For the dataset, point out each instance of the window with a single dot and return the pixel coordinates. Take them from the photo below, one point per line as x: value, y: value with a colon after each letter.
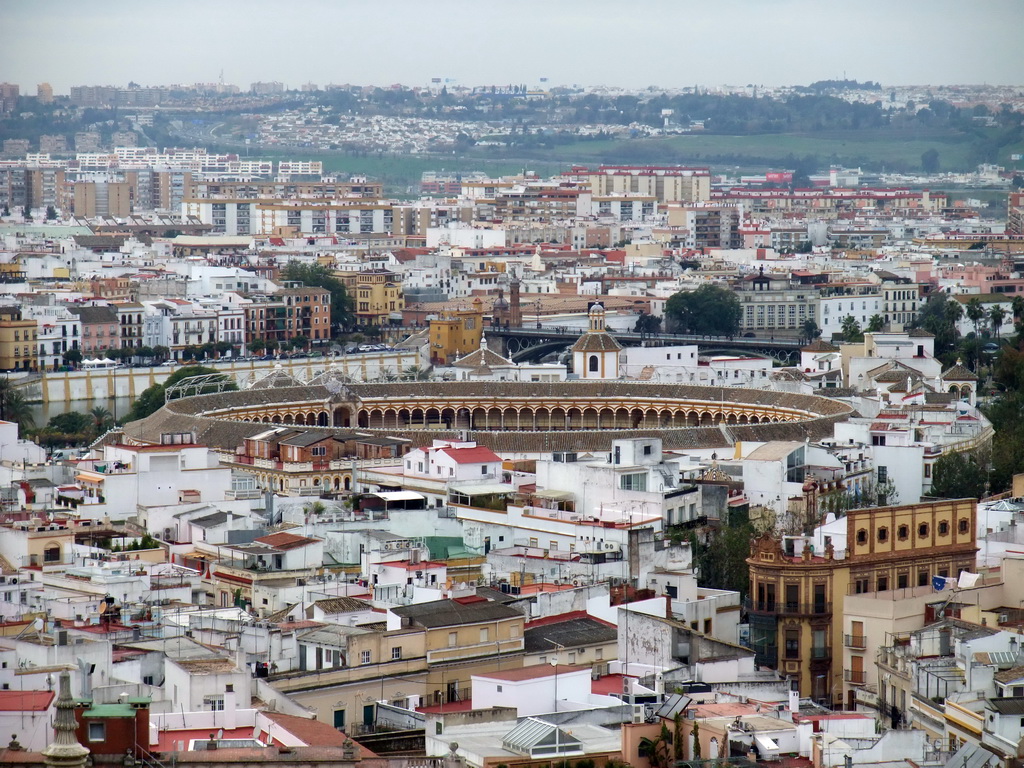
x: 485, y: 635
x: 453, y: 639
x: 943, y: 527
x: 396, y: 653
x: 883, y: 475
x: 963, y: 525
x: 902, y: 580
x: 97, y: 732
x: 883, y: 534
x: 922, y: 578
x: 592, y: 366
x: 498, y: 688
x: 647, y: 450
x: 364, y: 657
x: 483, y: 469
x: 862, y: 536
x: 922, y: 530
x: 633, y: 482
x: 792, y: 643
x: 902, y: 532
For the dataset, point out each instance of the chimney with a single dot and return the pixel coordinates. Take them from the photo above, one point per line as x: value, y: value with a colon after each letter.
x: 211, y: 744
x: 230, y: 707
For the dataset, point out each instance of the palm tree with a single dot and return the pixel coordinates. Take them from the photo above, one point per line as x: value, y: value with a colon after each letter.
x: 953, y: 312
x: 101, y: 419
x: 657, y: 750
x: 1018, y: 307
x: 14, y: 407
x: 875, y: 324
x: 975, y: 313
x: 415, y: 373
x: 996, y: 315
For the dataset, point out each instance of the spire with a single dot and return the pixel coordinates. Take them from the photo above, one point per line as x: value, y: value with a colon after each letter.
x: 65, y: 751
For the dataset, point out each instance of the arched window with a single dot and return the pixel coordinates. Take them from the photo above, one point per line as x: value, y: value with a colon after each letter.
x: 593, y: 363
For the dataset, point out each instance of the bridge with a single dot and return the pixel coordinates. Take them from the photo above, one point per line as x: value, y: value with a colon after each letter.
x: 521, y: 344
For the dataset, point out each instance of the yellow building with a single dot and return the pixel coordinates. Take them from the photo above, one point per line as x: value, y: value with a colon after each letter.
x: 456, y: 333
x: 19, y: 350
x: 377, y: 296
x: 430, y: 659
x: 797, y: 590
x: 464, y: 637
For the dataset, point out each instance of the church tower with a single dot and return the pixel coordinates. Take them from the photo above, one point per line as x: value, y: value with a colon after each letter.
x: 595, y: 355
x: 515, y: 310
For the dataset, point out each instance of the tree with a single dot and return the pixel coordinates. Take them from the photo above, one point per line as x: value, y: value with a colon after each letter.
x: 70, y: 423
x: 875, y: 324
x: 415, y: 373
x: 810, y: 330
x: 721, y: 560
x: 656, y: 750
x: 695, y: 735
x: 930, y: 160
x: 257, y: 346
x: 14, y: 407
x: 51, y: 213
x: 300, y: 342
x: 996, y: 315
x: 26, y: 213
x: 161, y: 353
x: 975, y: 312
x: 6, y: 210
x: 152, y: 398
x: 101, y: 419
x: 72, y: 357
x: 319, y: 276
x: 646, y: 323
x: 851, y: 329
x: 711, y: 310
x: 959, y: 476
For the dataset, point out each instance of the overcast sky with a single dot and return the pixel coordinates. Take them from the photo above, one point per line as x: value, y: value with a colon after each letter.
x: 632, y: 43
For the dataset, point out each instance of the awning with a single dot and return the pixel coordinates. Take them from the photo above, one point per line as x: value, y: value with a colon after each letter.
x: 481, y: 489
x: 399, y: 496
x: 555, y: 495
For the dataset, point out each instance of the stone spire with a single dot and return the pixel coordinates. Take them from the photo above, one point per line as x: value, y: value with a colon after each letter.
x: 65, y: 751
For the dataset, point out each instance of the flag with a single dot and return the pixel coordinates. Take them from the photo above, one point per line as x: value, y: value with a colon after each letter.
x: 939, y: 583
x: 968, y: 580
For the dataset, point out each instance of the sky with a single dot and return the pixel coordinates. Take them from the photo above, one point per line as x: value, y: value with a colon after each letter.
x: 633, y: 44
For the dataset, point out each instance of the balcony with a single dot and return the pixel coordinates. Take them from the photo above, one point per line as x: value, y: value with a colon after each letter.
x: 855, y: 676
x: 786, y: 608
x: 859, y: 642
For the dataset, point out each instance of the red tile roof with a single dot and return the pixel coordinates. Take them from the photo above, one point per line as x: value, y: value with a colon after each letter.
x: 312, y: 732
x: 476, y: 455
x: 533, y: 672
x: 285, y: 540
x: 25, y: 701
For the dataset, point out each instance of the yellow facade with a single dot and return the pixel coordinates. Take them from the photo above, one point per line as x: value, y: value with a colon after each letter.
x: 376, y: 295
x: 456, y: 334
x: 796, y: 602
x: 19, y: 350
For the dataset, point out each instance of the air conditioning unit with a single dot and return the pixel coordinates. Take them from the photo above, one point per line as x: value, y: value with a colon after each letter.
x: 638, y: 713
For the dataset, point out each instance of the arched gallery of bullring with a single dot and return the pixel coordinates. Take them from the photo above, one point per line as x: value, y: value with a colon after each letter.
x: 515, y: 419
